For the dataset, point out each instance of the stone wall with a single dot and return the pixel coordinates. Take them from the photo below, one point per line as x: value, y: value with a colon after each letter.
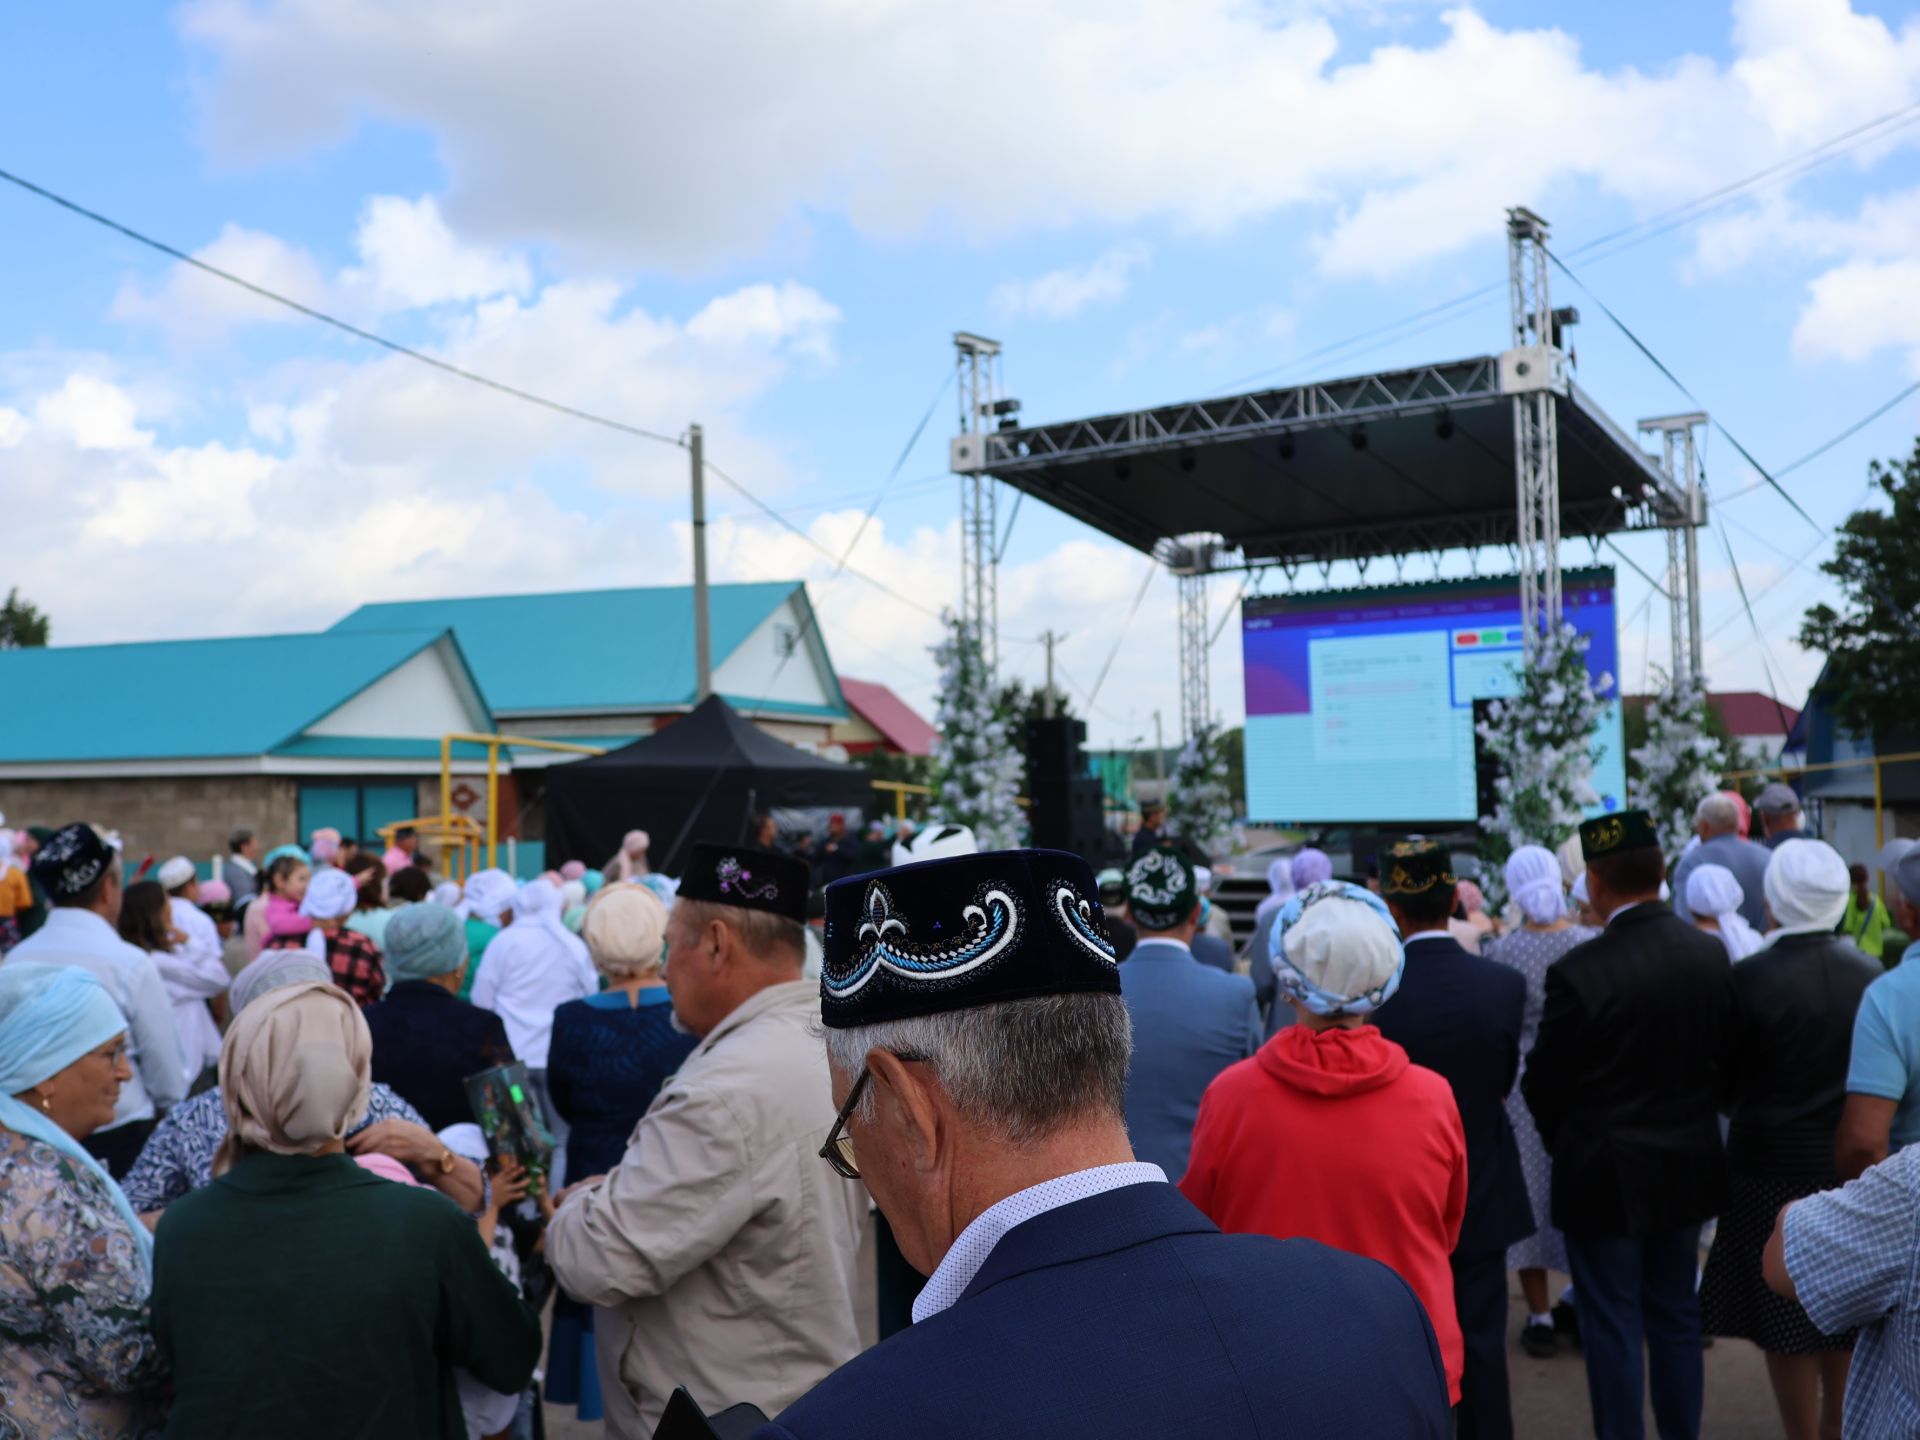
x: 161, y: 816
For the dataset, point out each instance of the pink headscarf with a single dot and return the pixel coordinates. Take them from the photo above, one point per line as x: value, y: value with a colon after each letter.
x: 1746, y: 811
x: 573, y: 870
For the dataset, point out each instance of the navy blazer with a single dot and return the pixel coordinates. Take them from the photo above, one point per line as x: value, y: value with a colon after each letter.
x: 1459, y: 1014
x: 426, y: 1041
x: 1129, y: 1314
x: 1190, y: 1022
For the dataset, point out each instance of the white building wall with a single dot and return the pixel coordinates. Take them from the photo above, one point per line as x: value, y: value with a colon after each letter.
x: 419, y: 699
x: 760, y: 668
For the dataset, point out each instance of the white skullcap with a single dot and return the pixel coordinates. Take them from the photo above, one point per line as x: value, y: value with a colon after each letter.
x: 1807, y: 886
x: 1202, y: 879
x: 330, y: 895
x: 175, y: 873
x: 489, y: 892
x: 936, y: 842
x: 1579, y: 891
x: 1533, y: 880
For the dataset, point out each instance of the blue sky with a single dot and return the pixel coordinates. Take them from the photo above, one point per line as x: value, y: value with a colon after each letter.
x: 769, y: 218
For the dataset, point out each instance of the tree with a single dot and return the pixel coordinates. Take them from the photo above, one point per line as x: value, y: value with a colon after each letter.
x: 1541, y: 739
x: 1680, y: 760
x: 1873, y: 645
x: 21, y: 623
x: 1018, y: 704
x: 1200, y: 805
x: 975, y: 759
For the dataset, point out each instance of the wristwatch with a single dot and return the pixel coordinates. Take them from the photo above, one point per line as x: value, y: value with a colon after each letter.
x: 446, y: 1162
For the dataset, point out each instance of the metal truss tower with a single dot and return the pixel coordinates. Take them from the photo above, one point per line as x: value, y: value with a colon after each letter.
x: 978, y: 359
x: 1191, y: 559
x: 1534, y: 371
x: 1680, y: 461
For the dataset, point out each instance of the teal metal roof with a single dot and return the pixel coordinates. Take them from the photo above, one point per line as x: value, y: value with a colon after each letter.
x: 585, y: 650
x: 189, y: 699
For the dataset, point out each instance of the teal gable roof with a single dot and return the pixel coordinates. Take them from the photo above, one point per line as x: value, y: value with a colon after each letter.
x: 592, y: 650
x: 188, y: 699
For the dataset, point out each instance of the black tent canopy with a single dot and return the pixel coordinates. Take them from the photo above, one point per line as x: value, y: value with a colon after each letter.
x: 698, y: 779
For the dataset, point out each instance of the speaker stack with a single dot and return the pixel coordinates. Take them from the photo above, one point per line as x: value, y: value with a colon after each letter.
x: 1066, y: 813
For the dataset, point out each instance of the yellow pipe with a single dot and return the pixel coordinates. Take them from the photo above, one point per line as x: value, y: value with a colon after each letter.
x: 493, y: 801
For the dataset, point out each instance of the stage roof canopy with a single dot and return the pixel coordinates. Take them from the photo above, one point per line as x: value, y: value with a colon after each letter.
x: 1396, y: 463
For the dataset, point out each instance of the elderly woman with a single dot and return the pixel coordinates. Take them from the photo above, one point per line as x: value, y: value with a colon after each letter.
x: 609, y: 1056
x: 1370, y: 1144
x: 1546, y: 933
x: 1714, y: 898
x: 1787, y: 1085
x: 76, y: 1354
x: 178, y: 1157
x: 531, y: 969
x: 426, y: 1039
x: 299, y: 1284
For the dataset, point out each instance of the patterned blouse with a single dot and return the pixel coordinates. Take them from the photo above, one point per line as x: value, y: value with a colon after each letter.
x: 178, y: 1156
x: 77, y: 1357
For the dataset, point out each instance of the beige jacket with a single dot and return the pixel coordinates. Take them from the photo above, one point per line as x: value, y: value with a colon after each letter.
x: 722, y: 1243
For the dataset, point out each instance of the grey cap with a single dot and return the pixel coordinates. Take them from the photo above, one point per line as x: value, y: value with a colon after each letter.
x: 1777, y: 799
x: 1906, y: 875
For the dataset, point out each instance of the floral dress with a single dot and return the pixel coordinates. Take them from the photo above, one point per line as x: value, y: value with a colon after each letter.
x: 78, y: 1359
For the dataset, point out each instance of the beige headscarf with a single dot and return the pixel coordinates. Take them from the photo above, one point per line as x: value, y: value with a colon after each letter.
x: 294, y: 1072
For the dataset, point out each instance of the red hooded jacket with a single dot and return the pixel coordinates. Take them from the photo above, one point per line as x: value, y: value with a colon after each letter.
x: 1338, y: 1137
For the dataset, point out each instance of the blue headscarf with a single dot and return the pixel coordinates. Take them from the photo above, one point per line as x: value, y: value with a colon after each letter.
x: 50, y: 1016
x: 1353, y: 929
x: 279, y: 850
x: 424, y: 942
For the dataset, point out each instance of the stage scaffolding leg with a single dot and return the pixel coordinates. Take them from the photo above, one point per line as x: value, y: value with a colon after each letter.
x: 1533, y: 365
x: 1196, y: 701
x: 1680, y: 462
x: 979, y: 499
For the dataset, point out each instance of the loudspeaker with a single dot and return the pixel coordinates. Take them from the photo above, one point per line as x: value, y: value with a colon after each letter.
x: 1053, y: 749
x: 1067, y: 815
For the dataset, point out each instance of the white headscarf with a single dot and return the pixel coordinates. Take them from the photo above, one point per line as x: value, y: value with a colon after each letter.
x: 1280, y: 888
x: 330, y: 894
x: 1533, y: 880
x: 446, y: 895
x: 1807, y: 885
x: 488, y: 892
x: 1715, y: 890
x: 540, y: 905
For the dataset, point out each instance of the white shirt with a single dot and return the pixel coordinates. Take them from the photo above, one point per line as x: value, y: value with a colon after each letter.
x: 193, y: 974
x: 72, y: 936
x: 527, y: 972
x: 970, y: 1250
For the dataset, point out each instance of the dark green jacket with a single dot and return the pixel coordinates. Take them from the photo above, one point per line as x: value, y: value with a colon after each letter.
x: 301, y: 1296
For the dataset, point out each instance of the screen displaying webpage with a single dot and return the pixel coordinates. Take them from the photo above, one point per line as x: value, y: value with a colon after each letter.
x: 1360, y: 702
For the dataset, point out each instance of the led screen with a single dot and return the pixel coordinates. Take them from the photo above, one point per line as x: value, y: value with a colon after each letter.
x: 1360, y: 702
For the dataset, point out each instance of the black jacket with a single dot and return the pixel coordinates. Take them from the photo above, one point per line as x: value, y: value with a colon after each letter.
x: 1627, y: 1073
x: 1788, y: 1082
x: 1459, y: 1015
x: 426, y: 1041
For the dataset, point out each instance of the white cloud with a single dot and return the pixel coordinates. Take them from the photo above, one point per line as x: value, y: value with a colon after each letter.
x: 790, y: 315
x: 410, y: 258
x: 93, y: 413
x: 1858, y: 308
x: 1061, y: 294
x: 1198, y: 113
x: 193, y: 308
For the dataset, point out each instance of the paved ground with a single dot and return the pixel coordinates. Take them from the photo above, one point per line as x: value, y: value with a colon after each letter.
x: 1549, y: 1396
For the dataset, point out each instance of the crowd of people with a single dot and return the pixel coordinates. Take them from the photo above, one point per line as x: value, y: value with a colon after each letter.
x: 1131, y: 1178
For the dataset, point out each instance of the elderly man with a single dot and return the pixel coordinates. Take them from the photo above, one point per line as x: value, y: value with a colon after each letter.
x: 241, y: 868
x: 1780, y: 819
x: 1190, y: 1020
x: 1882, y: 1112
x: 1624, y: 1082
x: 979, y: 1046
x: 194, y: 973
x: 81, y: 874
x: 723, y: 1247
x: 1716, y: 820
x: 1460, y: 1015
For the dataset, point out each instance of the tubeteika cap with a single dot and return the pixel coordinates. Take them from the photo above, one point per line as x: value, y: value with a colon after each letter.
x: 71, y: 859
x: 963, y: 932
x: 1161, y: 891
x: 1617, y: 834
x: 747, y: 878
x: 1413, y: 867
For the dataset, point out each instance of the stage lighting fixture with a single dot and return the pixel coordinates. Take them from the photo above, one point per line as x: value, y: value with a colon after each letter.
x: 1286, y: 446
x: 1187, y: 461
x: 1005, y: 407
x: 1445, y: 428
x: 1357, y: 437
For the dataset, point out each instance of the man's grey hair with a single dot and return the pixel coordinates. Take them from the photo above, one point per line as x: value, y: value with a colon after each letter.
x: 1020, y: 1070
x: 1718, y: 813
x: 240, y: 836
x: 764, y: 934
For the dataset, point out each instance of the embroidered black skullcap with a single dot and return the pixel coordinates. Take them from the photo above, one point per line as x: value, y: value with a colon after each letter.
x: 962, y: 932
x: 1616, y: 834
x: 1414, y: 867
x: 1160, y: 889
x: 72, y: 858
x: 751, y: 879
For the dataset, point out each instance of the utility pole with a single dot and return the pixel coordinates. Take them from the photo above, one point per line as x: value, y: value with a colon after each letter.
x: 702, y: 636
x: 1047, y: 639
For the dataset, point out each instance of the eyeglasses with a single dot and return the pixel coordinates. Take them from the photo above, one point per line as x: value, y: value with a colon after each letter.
x: 838, y: 1151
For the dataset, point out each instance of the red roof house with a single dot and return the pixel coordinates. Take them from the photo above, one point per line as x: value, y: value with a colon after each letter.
x: 881, y: 721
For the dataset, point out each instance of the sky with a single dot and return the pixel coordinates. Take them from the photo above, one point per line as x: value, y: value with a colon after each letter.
x: 769, y: 218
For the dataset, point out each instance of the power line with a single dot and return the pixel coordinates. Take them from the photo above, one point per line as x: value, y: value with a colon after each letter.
x: 1826, y: 445
x: 1767, y: 664
x: 470, y: 376
x: 1113, y: 654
